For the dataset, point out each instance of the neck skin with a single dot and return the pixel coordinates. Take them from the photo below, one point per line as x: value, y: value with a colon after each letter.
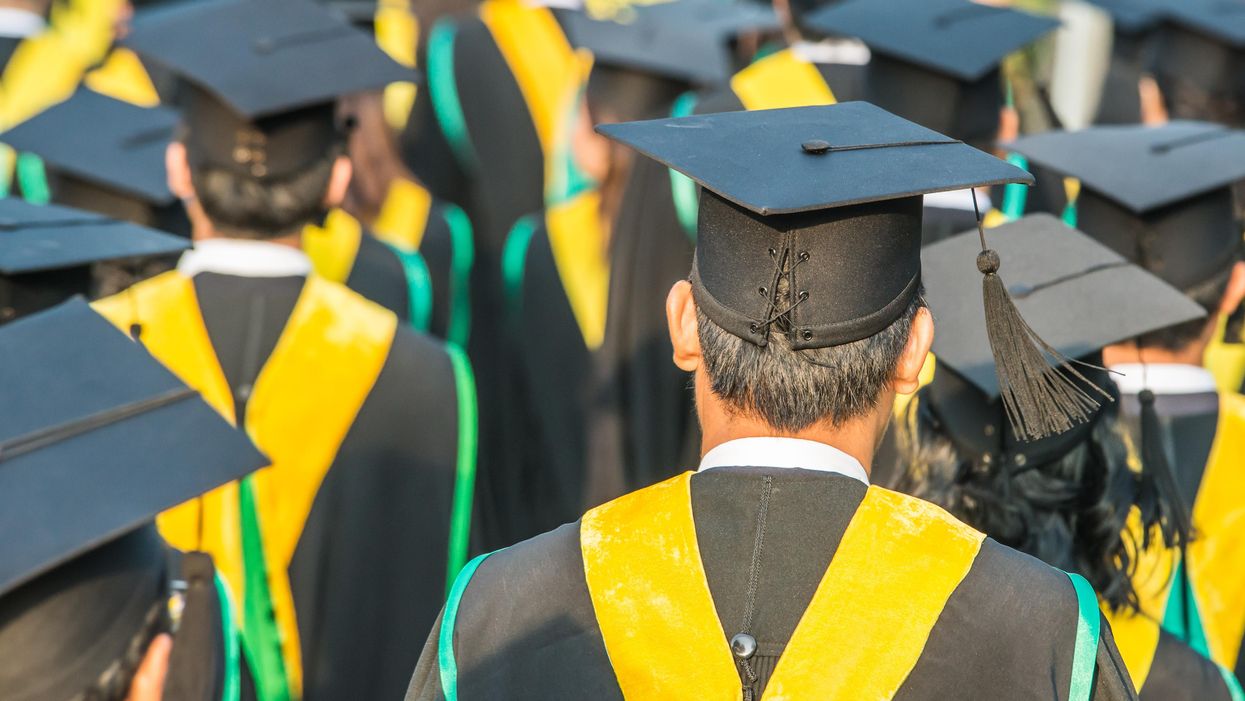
x: 858, y: 438
x: 1191, y: 354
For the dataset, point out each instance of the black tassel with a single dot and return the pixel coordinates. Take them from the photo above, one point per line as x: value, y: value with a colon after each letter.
x: 1160, y: 497
x: 1040, y: 399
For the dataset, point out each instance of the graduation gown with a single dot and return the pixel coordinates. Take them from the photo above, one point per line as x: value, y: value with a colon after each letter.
x: 557, y: 279
x: 337, y: 553
x: 642, y: 425
x: 479, y: 136
x: 418, y: 268
x: 911, y: 604
x: 1202, y: 601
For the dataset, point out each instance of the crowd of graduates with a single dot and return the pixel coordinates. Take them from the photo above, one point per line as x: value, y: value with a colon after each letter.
x: 493, y: 349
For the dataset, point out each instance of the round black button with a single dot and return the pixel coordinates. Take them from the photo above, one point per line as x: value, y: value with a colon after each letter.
x: 743, y: 646
x: 815, y: 146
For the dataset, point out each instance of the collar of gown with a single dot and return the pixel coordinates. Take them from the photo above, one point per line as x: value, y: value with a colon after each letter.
x: 1163, y: 378
x: 783, y: 452
x: 19, y: 24
x: 244, y: 258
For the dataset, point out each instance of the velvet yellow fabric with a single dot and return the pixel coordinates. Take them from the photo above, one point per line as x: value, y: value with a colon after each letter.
x: 781, y: 80
x: 334, y: 246
x: 579, y: 250
x: 899, y: 561
x: 1137, y: 635
x: 332, y: 336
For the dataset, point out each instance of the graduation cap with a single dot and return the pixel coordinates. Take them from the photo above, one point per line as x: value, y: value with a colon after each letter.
x: 1159, y: 196
x: 105, y: 155
x: 1203, y: 53
x: 1079, y: 295
x: 96, y: 438
x: 261, y: 102
x: 936, y: 62
x: 1133, y: 16
x: 683, y: 40
x: 829, y: 198
x: 46, y: 251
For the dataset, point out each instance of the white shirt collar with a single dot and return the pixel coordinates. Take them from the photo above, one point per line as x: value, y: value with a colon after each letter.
x: 783, y: 452
x: 15, y: 23
x: 958, y: 199
x: 244, y: 258
x: 1163, y: 378
x: 844, y: 52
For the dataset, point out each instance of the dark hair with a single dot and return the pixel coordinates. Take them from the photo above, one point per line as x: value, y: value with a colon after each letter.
x: 1070, y: 512
x: 794, y: 389
x: 1208, y: 294
x: 247, y: 207
x: 114, y: 684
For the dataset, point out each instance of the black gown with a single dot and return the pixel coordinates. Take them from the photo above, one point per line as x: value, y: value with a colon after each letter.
x: 642, y: 426
x: 506, y: 183
x: 526, y: 627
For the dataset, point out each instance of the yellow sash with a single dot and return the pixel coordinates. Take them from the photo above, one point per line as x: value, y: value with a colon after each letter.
x: 539, y: 56
x: 1226, y: 361
x: 333, y: 247
x: 397, y: 34
x: 661, y: 630
x: 123, y: 77
x: 579, y: 251
x: 333, y: 336
x: 781, y: 80
x: 1217, y: 553
x: 1137, y: 635
x: 403, y: 216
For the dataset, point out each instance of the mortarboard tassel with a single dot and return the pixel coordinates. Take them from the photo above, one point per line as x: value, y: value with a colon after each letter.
x: 1160, y: 500
x: 1039, y: 398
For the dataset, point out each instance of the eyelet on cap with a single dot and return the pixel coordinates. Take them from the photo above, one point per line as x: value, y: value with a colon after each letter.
x: 754, y: 328
x: 807, y: 335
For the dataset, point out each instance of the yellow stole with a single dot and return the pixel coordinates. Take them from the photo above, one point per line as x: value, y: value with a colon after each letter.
x: 403, y: 215
x: 1137, y: 635
x: 781, y: 80
x: 540, y: 59
x: 332, y: 336
x: 661, y: 630
x: 333, y: 247
x: 578, y: 244
x: 1217, y: 553
x: 123, y: 77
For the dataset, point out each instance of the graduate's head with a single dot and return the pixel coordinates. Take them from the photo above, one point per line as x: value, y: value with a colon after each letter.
x: 937, y: 62
x: 1200, y: 61
x: 803, y: 311
x: 1064, y: 498
x: 93, y: 628
x: 262, y: 152
x: 1161, y: 197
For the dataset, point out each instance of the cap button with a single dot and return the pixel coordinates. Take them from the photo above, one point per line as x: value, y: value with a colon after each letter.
x: 815, y: 146
x: 264, y: 45
x: 743, y: 646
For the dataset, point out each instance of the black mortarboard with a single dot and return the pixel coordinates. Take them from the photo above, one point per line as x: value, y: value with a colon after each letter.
x: 1159, y: 196
x: 829, y: 200
x: 96, y: 438
x: 1133, y: 16
x: 1080, y: 296
x: 1201, y: 59
x: 684, y: 40
x: 936, y: 62
x: 46, y: 251
x: 262, y: 101
x: 107, y: 142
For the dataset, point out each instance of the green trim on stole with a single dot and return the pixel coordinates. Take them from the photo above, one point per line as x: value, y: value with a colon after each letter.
x: 418, y: 286
x: 465, y: 468
x: 446, y: 662
x: 1088, y: 630
x: 514, y: 262
x: 443, y: 89
x: 231, y: 689
x: 458, y: 329
x: 683, y: 188
x: 259, y: 624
